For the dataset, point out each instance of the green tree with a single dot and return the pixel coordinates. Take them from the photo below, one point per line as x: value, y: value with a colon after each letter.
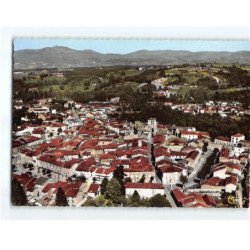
x: 18, y: 196
x: 90, y: 202
x: 100, y: 201
x: 119, y: 175
x: 135, y: 198
x: 59, y: 131
x: 142, y: 180
x: 159, y: 201
x: 127, y: 179
x: 103, y: 185
x: 183, y: 179
x: 61, y: 199
x: 204, y: 147
x: 113, y: 191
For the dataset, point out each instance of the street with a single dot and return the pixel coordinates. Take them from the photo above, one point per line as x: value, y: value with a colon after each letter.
x: 197, y: 168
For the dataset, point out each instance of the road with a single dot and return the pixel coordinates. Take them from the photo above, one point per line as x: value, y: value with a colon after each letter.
x: 198, y: 166
x: 169, y: 196
x: 239, y: 195
x: 157, y: 180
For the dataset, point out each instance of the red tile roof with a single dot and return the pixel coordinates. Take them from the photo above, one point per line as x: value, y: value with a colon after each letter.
x: 70, y: 189
x: 86, y: 164
x: 192, y: 200
x: 222, y: 138
x: 231, y: 180
x: 93, y: 188
x: 214, y: 181
x: 237, y: 135
x: 28, y: 182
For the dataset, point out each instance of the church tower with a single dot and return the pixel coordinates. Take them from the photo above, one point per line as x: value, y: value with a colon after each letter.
x: 152, y: 125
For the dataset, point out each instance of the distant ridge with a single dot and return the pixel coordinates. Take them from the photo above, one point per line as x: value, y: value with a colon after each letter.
x: 64, y: 57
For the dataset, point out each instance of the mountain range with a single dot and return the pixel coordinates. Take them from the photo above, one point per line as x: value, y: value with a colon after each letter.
x: 64, y: 57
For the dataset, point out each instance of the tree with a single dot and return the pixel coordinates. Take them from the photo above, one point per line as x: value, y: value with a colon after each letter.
x: 81, y: 178
x: 100, y: 201
x: 61, y: 199
x: 183, y: 179
x: 90, y: 202
x: 113, y: 191
x: 204, y: 147
x: 59, y: 131
x: 119, y: 175
x: 159, y: 201
x: 18, y: 196
x: 127, y: 179
x: 103, y: 185
x: 142, y: 180
x: 135, y: 198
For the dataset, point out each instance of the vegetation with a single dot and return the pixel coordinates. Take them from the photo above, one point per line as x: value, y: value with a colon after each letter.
x: 119, y: 175
x: 183, y: 179
x: 103, y: 186
x: 113, y: 191
x: 206, y: 168
x: 18, y: 195
x: 61, y: 199
x: 159, y: 201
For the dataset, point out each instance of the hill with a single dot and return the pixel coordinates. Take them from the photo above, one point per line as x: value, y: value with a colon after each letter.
x: 63, y: 57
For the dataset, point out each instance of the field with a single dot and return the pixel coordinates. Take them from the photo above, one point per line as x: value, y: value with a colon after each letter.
x: 191, y: 83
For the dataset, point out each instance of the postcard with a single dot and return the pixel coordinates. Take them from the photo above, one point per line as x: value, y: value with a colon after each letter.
x: 130, y: 123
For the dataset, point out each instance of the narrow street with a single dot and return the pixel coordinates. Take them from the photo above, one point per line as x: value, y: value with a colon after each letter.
x: 198, y: 166
x: 157, y: 180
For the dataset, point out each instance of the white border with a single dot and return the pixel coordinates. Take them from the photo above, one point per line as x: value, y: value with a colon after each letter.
x: 7, y: 34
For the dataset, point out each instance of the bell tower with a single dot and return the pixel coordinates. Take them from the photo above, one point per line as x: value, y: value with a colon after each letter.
x: 152, y: 125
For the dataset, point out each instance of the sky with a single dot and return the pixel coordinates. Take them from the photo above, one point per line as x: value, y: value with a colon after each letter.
x: 122, y: 46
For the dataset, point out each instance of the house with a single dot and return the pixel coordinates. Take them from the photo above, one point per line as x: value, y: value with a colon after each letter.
x: 192, y: 200
x: 226, y: 169
x: 55, y: 128
x: 214, y: 184
x: 221, y: 140
x: 28, y: 183
x: 235, y: 139
x: 176, y: 156
x: 145, y: 190
x: 229, y: 184
x: 94, y: 190
x: 139, y: 167
x: 72, y: 191
x: 224, y: 155
x: 171, y: 172
x: 238, y: 150
x: 189, y: 135
x: 192, y: 158
x: 161, y: 153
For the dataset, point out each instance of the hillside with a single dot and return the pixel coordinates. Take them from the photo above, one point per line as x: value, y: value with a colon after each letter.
x: 63, y: 57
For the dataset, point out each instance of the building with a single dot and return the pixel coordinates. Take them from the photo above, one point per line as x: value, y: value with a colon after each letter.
x: 235, y: 139
x: 145, y: 190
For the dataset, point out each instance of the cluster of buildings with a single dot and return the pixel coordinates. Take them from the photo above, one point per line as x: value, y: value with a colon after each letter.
x: 224, y: 109
x: 75, y: 149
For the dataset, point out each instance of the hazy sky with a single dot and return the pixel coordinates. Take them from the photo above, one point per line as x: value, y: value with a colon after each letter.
x: 127, y: 46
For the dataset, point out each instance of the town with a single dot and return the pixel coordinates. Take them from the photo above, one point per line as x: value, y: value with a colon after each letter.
x: 80, y: 154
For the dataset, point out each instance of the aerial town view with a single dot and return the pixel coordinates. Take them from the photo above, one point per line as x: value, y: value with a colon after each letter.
x: 131, y: 123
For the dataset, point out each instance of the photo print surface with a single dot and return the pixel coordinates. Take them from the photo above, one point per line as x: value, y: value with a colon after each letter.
x: 130, y: 123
